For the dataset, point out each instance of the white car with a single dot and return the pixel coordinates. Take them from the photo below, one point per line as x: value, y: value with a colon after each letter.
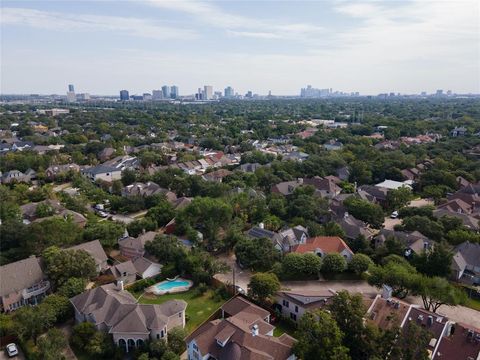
x: 12, y: 350
x: 394, y: 215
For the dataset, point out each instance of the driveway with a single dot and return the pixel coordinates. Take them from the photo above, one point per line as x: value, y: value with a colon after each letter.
x: 389, y: 223
x: 421, y: 202
x: 242, y: 276
x: 4, y: 356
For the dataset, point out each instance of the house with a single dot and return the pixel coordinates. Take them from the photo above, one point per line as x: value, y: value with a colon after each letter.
x: 460, y: 342
x: 182, y: 202
x: 146, y: 268
x: 376, y: 193
x: 115, y: 311
x: 103, y: 173
x: 293, y: 304
x: 29, y: 211
x: 54, y: 171
x: 458, y: 131
x: 75, y: 217
x: 324, y: 187
x: 414, y: 242
x: 392, y: 185
x: 106, y: 154
x: 147, y: 189
x: 250, y: 167
x: 343, y: 173
x: 16, y: 146
x: 458, y: 205
x: 323, y: 245
x: 295, y: 156
x: 217, y: 176
x: 468, y: 221
x: 333, y: 145
x: 22, y: 283
x: 353, y: 227
x: 16, y: 176
x: 466, y: 263
x: 386, y: 312
x: 123, y: 163
x: 291, y: 237
x: 133, y: 248
x: 242, y: 332
x: 287, y: 187
x: 125, y: 272
x: 95, y: 250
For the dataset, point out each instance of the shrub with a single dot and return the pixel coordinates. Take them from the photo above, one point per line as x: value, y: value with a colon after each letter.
x: 333, y: 263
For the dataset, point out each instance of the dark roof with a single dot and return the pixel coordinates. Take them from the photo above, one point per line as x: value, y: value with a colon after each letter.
x: 20, y: 275
x: 470, y: 253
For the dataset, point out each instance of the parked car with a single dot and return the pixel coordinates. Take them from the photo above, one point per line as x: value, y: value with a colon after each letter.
x: 394, y: 215
x: 240, y: 290
x: 12, y: 350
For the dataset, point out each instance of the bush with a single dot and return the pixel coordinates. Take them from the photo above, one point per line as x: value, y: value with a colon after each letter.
x: 360, y: 263
x: 201, y: 289
x: 141, y: 285
x: 333, y: 263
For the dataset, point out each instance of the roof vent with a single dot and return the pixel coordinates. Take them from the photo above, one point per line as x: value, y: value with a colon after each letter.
x: 430, y: 320
x: 255, y: 330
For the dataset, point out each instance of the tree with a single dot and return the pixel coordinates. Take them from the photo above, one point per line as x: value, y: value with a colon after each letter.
x: 263, y: 285
x: 170, y: 355
x: 301, y: 265
x: 256, y: 254
x: 176, y: 342
x: 162, y: 213
x: 82, y: 333
x: 437, y: 291
x: 32, y: 321
x: 436, y: 262
x: 319, y: 338
x: 157, y: 348
x: 348, y: 312
x: 59, y: 306
x: 128, y: 177
x: 333, y: 263
x: 108, y: 232
x: 360, y: 263
x: 136, y: 227
x: 398, y: 198
x: 412, y: 343
x: 52, y: 345
x: 73, y: 286
x: 402, y: 278
x: 165, y: 248
x: 365, y: 211
x: 44, y: 210
x: 427, y: 227
x: 98, y: 345
x: 64, y: 264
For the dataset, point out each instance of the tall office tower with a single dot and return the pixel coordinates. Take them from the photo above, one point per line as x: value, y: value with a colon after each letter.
x: 229, y: 92
x: 124, y: 95
x: 71, y: 97
x: 208, y: 92
x: 71, y: 88
x: 249, y: 95
x: 174, y: 92
x: 147, y: 96
x: 166, y: 91
x: 157, y: 94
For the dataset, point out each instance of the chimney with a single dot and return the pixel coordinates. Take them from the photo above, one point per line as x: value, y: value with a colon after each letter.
x: 345, y: 216
x: 430, y: 320
x: 255, y: 330
x: 386, y: 292
x: 143, y: 231
x: 261, y: 225
x: 120, y: 285
x: 300, y: 180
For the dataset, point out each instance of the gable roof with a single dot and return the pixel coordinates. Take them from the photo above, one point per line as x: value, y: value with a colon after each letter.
x: 141, y: 264
x: 20, y: 275
x: 328, y: 244
x: 308, y: 299
x: 470, y: 253
x: 120, y: 311
x: 94, y: 248
x: 235, y: 333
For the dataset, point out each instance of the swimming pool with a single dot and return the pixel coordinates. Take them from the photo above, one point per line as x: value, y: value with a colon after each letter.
x: 171, y: 286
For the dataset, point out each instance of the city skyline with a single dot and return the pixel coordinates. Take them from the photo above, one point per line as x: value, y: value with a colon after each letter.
x: 369, y: 47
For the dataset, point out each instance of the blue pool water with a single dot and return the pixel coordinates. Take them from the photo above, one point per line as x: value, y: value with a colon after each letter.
x: 168, y: 285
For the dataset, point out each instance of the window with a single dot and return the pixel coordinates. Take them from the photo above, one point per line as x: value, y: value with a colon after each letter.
x: 293, y: 316
x: 286, y: 303
x: 158, y: 336
x: 161, y: 333
x: 296, y: 308
x: 195, y: 347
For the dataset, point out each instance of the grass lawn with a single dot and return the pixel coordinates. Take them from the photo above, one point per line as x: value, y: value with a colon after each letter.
x: 473, y: 304
x: 199, y: 308
x: 282, y: 327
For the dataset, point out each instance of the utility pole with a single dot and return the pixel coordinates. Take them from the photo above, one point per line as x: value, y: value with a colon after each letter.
x: 234, y: 287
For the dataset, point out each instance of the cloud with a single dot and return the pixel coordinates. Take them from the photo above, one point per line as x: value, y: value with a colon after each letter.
x: 237, y: 25
x: 83, y: 22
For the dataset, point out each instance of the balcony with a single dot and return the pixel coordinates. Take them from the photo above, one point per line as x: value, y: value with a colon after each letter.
x: 36, y: 289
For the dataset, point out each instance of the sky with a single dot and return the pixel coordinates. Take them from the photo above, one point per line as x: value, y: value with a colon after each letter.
x: 372, y: 47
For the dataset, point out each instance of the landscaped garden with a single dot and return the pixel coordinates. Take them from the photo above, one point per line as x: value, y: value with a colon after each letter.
x: 200, y: 306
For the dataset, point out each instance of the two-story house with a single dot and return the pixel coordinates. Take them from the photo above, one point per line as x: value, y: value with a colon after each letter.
x: 116, y: 311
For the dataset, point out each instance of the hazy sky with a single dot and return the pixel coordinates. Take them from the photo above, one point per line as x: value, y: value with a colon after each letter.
x: 366, y: 46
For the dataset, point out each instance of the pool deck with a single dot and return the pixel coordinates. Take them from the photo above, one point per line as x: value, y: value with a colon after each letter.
x: 177, y: 289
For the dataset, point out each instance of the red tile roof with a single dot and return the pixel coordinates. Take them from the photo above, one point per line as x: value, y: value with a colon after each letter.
x: 328, y: 244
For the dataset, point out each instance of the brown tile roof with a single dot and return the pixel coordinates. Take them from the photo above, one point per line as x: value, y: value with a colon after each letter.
x: 463, y: 343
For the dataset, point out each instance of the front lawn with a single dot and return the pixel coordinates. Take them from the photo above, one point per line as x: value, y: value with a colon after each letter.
x: 473, y: 304
x: 282, y: 327
x: 199, y: 307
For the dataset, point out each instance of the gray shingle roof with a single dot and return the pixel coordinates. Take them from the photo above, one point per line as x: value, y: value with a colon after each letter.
x: 20, y: 275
